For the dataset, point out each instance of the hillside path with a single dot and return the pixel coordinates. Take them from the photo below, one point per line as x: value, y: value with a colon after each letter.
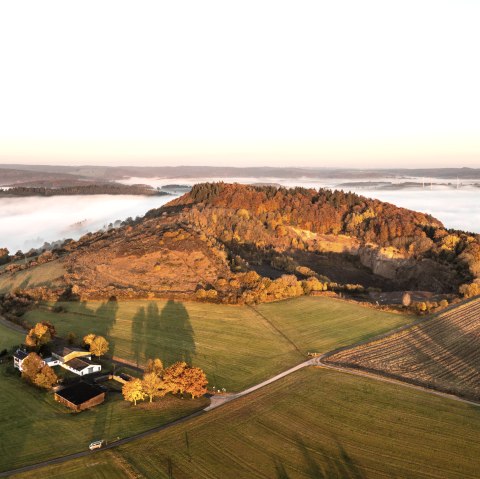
x: 12, y: 326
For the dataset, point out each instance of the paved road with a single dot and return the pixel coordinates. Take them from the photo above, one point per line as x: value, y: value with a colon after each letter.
x: 220, y: 399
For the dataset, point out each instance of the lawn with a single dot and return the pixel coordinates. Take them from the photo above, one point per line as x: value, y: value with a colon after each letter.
x: 318, y: 423
x: 35, y: 427
x: 9, y: 337
x: 320, y: 324
x: 235, y: 345
x: 42, y: 275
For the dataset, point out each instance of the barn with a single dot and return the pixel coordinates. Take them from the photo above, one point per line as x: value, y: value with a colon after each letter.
x: 80, y: 396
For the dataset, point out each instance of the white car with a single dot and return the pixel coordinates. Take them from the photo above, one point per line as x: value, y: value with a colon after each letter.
x: 96, y: 445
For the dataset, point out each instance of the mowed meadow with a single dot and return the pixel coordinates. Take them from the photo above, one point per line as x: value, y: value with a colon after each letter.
x: 441, y: 352
x: 32, y: 422
x: 315, y: 423
x: 237, y: 346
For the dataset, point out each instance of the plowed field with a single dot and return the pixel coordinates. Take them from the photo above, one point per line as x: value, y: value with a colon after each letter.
x: 442, y: 352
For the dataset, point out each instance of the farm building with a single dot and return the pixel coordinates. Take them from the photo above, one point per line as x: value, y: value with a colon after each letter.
x: 80, y: 396
x: 81, y: 366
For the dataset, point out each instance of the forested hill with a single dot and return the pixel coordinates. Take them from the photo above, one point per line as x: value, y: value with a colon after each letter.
x: 269, y: 216
x: 323, y: 211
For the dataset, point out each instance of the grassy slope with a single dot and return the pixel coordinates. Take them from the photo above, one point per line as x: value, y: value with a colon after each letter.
x: 42, y: 275
x: 322, y: 424
x: 320, y: 324
x: 236, y: 346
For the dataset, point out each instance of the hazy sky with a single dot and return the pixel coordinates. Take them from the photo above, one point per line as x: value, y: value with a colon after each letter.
x: 320, y: 83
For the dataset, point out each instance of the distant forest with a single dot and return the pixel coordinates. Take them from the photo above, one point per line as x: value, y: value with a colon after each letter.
x: 89, y: 189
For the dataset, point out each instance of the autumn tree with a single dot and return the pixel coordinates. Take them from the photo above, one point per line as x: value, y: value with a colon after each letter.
x: 46, y: 378
x: 35, y: 371
x: 88, y: 339
x: 181, y: 378
x: 470, y: 290
x: 195, y: 382
x: 174, y: 377
x: 154, y: 366
x: 31, y: 366
x: 41, y: 333
x: 98, y: 345
x: 133, y: 391
x: 153, y: 386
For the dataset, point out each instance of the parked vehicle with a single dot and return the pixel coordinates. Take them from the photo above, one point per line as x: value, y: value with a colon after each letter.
x: 96, y: 445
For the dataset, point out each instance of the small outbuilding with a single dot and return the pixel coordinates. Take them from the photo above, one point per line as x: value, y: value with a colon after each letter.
x: 80, y: 396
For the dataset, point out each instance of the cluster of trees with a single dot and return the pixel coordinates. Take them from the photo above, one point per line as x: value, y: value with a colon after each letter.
x: 14, y: 305
x: 323, y: 211
x: 251, y: 288
x: 42, y: 333
x: 97, y: 345
x: 157, y: 382
x: 469, y: 290
x: 35, y: 371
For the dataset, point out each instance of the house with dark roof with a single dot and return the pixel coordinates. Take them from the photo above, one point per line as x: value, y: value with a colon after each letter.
x: 18, y: 356
x: 81, y: 366
x: 76, y: 360
x: 80, y: 396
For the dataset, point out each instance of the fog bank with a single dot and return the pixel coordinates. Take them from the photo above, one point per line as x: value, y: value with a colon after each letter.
x: 28, y: 222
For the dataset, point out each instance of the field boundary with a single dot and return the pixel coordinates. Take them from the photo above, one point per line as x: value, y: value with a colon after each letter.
x: 399, y: 329
x: 394, y: 380
x: 281, y: 333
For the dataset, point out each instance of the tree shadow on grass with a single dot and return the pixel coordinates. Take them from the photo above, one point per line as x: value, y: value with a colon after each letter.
x: 322, y: 464
x: 165, y: 334
x: 106, y: 317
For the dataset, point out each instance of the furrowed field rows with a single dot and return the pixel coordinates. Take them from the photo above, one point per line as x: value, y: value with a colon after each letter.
x: 442, y: 352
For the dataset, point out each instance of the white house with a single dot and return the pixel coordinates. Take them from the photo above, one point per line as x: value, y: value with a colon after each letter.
x: 81, y: 367
x: 78, y: 361
x: 18, y: 358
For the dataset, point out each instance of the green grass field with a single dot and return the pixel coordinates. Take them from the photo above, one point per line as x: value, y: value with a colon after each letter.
x: 235, y: 345
x: 35, y: 427
x: 9, y: 337
x: 42, y: 275
x: 317, y: 424
x: 320, y: 324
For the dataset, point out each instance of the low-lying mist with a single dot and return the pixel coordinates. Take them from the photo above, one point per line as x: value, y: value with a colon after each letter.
x: 29, y: 222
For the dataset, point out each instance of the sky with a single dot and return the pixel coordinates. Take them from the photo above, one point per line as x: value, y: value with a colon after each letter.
x: 264, y: 83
